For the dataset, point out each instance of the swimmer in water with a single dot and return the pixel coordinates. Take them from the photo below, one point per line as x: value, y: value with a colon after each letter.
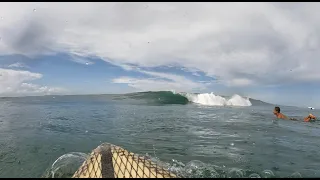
x: 309, y: 118
x: 279, y: 115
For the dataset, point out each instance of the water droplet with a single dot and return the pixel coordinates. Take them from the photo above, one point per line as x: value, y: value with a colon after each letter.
x: 148, y: 42
x: 86, y: 131
x: 253, y: 143
x: 1, y: 18
x: 232, y: 144
x: 34, y: 10
x: 254, y: 175
x: 267, y: 174
x: 235, y: 173
x: 296, y: 175
x: 193, y: 166
x: 87, y: 63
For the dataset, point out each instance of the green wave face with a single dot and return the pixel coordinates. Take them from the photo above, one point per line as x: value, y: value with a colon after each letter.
x: 160, y: 97
x: 168, y: 97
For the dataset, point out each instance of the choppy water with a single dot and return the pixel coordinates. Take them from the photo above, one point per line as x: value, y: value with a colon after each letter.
x: 194, y: 140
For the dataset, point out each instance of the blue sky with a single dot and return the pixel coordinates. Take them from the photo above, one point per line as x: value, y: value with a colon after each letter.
x: 267, y: 51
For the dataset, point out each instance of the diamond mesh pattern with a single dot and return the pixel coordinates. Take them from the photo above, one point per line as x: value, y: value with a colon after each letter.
x: 90, y: 168
x: 117, y: 162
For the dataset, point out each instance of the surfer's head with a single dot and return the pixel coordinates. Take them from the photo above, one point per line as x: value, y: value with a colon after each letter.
x: 276, y: 110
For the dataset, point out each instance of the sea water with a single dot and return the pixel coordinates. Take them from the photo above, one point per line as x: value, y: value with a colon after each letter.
x: 195, y: 135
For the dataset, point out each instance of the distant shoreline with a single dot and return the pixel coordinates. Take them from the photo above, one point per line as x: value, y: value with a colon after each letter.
x: 115, y: 94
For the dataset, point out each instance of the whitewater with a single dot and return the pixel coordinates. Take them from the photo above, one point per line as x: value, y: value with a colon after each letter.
x: 210, y: 99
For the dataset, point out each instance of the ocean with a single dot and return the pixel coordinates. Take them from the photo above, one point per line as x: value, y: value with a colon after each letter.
x: 195, y: 135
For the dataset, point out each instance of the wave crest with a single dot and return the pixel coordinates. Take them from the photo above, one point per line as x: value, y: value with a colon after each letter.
x: 171, y: 97
x: 211, y: 99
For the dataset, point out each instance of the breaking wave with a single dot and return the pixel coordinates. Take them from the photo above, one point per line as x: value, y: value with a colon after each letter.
x: 211, y: 99
x: 207, y: 99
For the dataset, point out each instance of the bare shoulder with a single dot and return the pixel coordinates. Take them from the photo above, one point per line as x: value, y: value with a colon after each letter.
x: 284, y: 116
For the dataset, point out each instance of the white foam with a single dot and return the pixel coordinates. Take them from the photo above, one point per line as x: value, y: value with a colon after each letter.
x: 211, y: 99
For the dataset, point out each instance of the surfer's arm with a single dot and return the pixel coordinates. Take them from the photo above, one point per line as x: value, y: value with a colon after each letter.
x: 306, y: 119
x: 287, y: 118
x: 284, y: 117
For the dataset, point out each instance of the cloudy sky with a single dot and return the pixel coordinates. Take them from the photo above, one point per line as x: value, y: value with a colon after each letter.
x: 268, y: 51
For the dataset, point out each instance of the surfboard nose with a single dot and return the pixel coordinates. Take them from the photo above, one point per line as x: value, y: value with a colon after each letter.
x: 111, y: 161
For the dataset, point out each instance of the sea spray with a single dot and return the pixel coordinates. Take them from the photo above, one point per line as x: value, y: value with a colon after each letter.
x: 66, y: 165
x: 211, y: 99
x: 172, y: 97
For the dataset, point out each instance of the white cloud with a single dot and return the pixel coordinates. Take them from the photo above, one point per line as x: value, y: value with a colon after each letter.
x: 161, y: 81
x: 239, y: 43
x: 196, y: 74
x: 81, y: 60
x: 14, y: 83
x: 28, y: 88
x: 17, y: 65
x: 150, y: 84
x: 239, y: 82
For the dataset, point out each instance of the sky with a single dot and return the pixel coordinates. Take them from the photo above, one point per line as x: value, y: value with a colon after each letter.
x: 266, y: 51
